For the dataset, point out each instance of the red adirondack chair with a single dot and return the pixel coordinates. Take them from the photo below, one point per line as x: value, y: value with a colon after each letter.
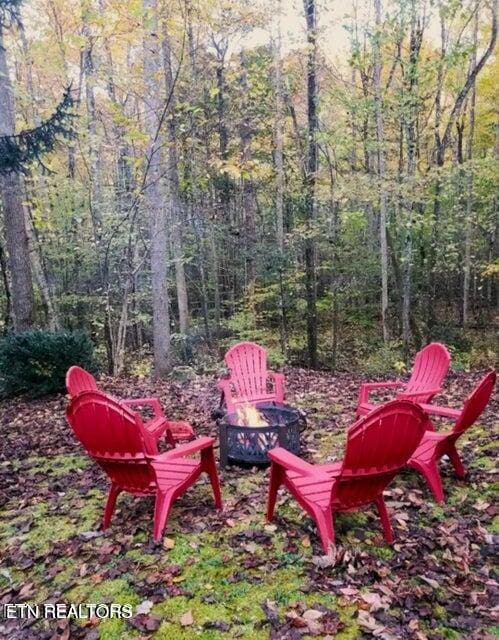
x: 378, y: 447
x: 430, y: 368
x: 115, y: 437
x: 78, y: 380
x: 435, y: 444
x: 249, y: 380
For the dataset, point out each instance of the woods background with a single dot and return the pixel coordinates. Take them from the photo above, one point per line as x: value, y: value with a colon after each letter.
x: 336, y: 202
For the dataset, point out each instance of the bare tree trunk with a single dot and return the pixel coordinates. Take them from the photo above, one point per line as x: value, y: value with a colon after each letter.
x: 248, y: 187
x: 14, y: 214
x: 39, y: 273
x: 93, y: 143
x: 311, y: 175
x: 279, y: 170
x: 410, y: 119
x: 469, y: 186
x: 55, y: 20
x: 95, y: 174
x: 335, y: 280
x: 196, y: 202
x: 152, y: 192
x: 174, y: 191
x: 381, y: 170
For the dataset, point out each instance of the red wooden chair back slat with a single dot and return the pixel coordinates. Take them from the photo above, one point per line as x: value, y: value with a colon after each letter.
x: 247, y: 362
x: 430, y: 368
x: 378, y: 447
x: 114, y: 436
x: 475, y: 403
x: 78, y: 380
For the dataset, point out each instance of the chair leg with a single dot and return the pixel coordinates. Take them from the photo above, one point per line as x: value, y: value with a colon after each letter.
x: 324, y: 521
x: 432, y: 476
x: 161, y: 510
x: 456, y: 462
x: 385, y: 519
x: 276, y: 474
x: 114, y: 492
x: 210, y: 467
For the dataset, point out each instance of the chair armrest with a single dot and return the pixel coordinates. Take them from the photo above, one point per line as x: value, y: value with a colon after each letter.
x: 444, y: 412
x: 159, y: 427
x: 370, y: 386
x: 152, y: 402
x: 278, y: 379
x: 416, y: 394
x: 190, y: 447
x: 290, y: 462
x: 226, y: 389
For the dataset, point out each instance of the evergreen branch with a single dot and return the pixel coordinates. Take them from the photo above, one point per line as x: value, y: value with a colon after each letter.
x: 17, y: 151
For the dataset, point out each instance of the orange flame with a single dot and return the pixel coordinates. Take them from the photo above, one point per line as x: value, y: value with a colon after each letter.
x: 249, y: 416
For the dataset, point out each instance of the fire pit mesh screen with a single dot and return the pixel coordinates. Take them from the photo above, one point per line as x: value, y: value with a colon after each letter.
x: 248, y: 444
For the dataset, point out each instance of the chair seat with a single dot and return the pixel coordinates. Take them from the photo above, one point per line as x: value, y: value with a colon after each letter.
x: 316, y: 491
x: 171, y: 473
x: 312, y: 490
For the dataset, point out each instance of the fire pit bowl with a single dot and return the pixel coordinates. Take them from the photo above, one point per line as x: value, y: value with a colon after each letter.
x: 246, y: 439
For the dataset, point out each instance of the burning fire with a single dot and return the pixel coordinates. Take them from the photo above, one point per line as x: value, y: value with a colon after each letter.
x: 249, y: 416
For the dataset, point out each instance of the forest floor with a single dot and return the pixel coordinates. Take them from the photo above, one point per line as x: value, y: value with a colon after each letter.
x: 229, y: 574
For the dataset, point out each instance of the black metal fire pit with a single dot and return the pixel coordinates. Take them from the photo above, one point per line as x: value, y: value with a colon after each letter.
x: 248, y: 445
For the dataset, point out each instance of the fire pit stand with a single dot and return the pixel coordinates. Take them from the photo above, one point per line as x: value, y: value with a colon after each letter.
x: 249, y: 445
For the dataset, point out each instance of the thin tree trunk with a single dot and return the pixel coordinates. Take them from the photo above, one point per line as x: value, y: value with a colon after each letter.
x: 39, y: 273
x: 381, y: 170
x: 174, y: 191
x: 95, y: 173
x: 248, y: 187
x: 95, y: 170
x: 215, y: 266
x: 152, y: 192
x: 335, y: 263
x: 311, y: 175
x: 411, y: 88
x: 469, y: 186
x: 280, y: 182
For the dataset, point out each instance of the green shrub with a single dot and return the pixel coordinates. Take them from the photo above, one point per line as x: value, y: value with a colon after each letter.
x: 387, y: 358
x: 35, y: 362
x: 452, y: 336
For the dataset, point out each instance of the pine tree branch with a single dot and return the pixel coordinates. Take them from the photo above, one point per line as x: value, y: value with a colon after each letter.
x: 18, y: 151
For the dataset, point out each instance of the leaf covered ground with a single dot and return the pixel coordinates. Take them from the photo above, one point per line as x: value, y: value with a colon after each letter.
x: 229, y: 574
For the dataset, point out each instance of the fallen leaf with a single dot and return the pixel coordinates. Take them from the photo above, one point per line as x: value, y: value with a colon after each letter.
x: 186, y: 619
x: 144, y: 607
x: 168, y: 543
x: 430, y: 581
